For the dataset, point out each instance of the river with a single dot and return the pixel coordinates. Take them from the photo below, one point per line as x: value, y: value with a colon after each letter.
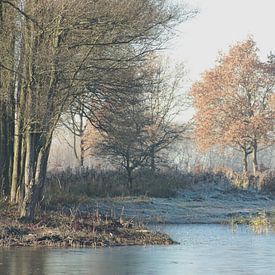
x: 203, y: 249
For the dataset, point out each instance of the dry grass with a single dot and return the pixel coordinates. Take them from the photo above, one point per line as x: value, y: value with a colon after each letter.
x: 78, y: 186
x: 73, y: 229
x: 72, y: 186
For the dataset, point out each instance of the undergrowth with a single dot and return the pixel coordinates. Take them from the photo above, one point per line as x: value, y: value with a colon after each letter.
x: 78, y: 186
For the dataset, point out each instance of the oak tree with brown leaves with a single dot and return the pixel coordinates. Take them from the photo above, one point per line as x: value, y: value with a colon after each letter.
x: 233, y: 103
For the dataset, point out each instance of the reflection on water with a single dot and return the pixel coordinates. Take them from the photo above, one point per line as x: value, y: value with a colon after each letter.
x: 204, y: 249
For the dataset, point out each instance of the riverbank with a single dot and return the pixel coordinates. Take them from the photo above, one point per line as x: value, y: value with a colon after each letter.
x: 171, y: 197
x: 119, y: 221
x: 189, y: 211
x: 200, y: 203
x: 57, y: 229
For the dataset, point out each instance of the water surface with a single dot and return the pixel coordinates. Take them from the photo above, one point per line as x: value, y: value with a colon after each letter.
x: 203, y: 249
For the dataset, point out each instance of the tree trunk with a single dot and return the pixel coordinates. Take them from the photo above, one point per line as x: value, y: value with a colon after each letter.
x: 3, y: 153
x: 7, y: 82
x: 130, y: 178
x: 245, y: 162
x: 41, y: 175
x: 16, y: 164
x: 21, y: 177
x: 19, y: 108
x: 18, y: 155
x: 153, y: 162
x: 82, y: 150
x: 129, y: 170
x: 81, y: 135
x: 255, y: 159
x: 35, y: 173
x: 6, y: 148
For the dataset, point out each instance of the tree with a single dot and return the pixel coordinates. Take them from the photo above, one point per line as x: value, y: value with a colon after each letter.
x: 233, y: 103
x: 164, y: 101
x: 7, y: 86
x: 119, y: 133
x: 75, y: 121
x: 135, y: 130
x: 54, y: 53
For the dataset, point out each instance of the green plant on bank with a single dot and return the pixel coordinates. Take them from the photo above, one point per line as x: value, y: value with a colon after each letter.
x: 258, y: 223
x: 235, y: 221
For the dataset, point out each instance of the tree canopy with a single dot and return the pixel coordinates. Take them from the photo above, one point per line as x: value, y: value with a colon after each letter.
x: 234, y: 102
x: 59, y: 54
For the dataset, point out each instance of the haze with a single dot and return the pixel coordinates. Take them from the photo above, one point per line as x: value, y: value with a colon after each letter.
x: 221, y: 23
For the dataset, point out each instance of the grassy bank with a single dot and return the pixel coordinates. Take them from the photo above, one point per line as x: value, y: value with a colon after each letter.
x: 95, y: 208
x: 58, y: 229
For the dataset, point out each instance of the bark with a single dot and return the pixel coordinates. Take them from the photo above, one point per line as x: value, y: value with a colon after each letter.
x: 81, y: 153
x: 153, y: 162
x: 16, y: 164
x: 1, y: 15
x: 37, y: 153
x: 255, y: 158
x: 245, y: 162
x: 129, y: 170
x: 130, y: 178
x: 81, y: 134
x: 6, y: 147
x: 21, y: 188
x: 7, y: 76
x: 18, y: 156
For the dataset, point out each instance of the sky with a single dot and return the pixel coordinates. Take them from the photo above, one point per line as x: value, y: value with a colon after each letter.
x: 219, y: 24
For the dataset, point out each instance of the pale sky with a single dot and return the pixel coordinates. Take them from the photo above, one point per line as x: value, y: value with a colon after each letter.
x: 221, y: 23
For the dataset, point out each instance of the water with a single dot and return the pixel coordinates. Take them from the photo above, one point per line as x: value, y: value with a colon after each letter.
x: 204, y: 249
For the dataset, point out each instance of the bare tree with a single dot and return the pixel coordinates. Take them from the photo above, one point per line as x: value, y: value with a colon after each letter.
x: 65, y: 49
x: 165, y: 101
x: 134, y: 131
